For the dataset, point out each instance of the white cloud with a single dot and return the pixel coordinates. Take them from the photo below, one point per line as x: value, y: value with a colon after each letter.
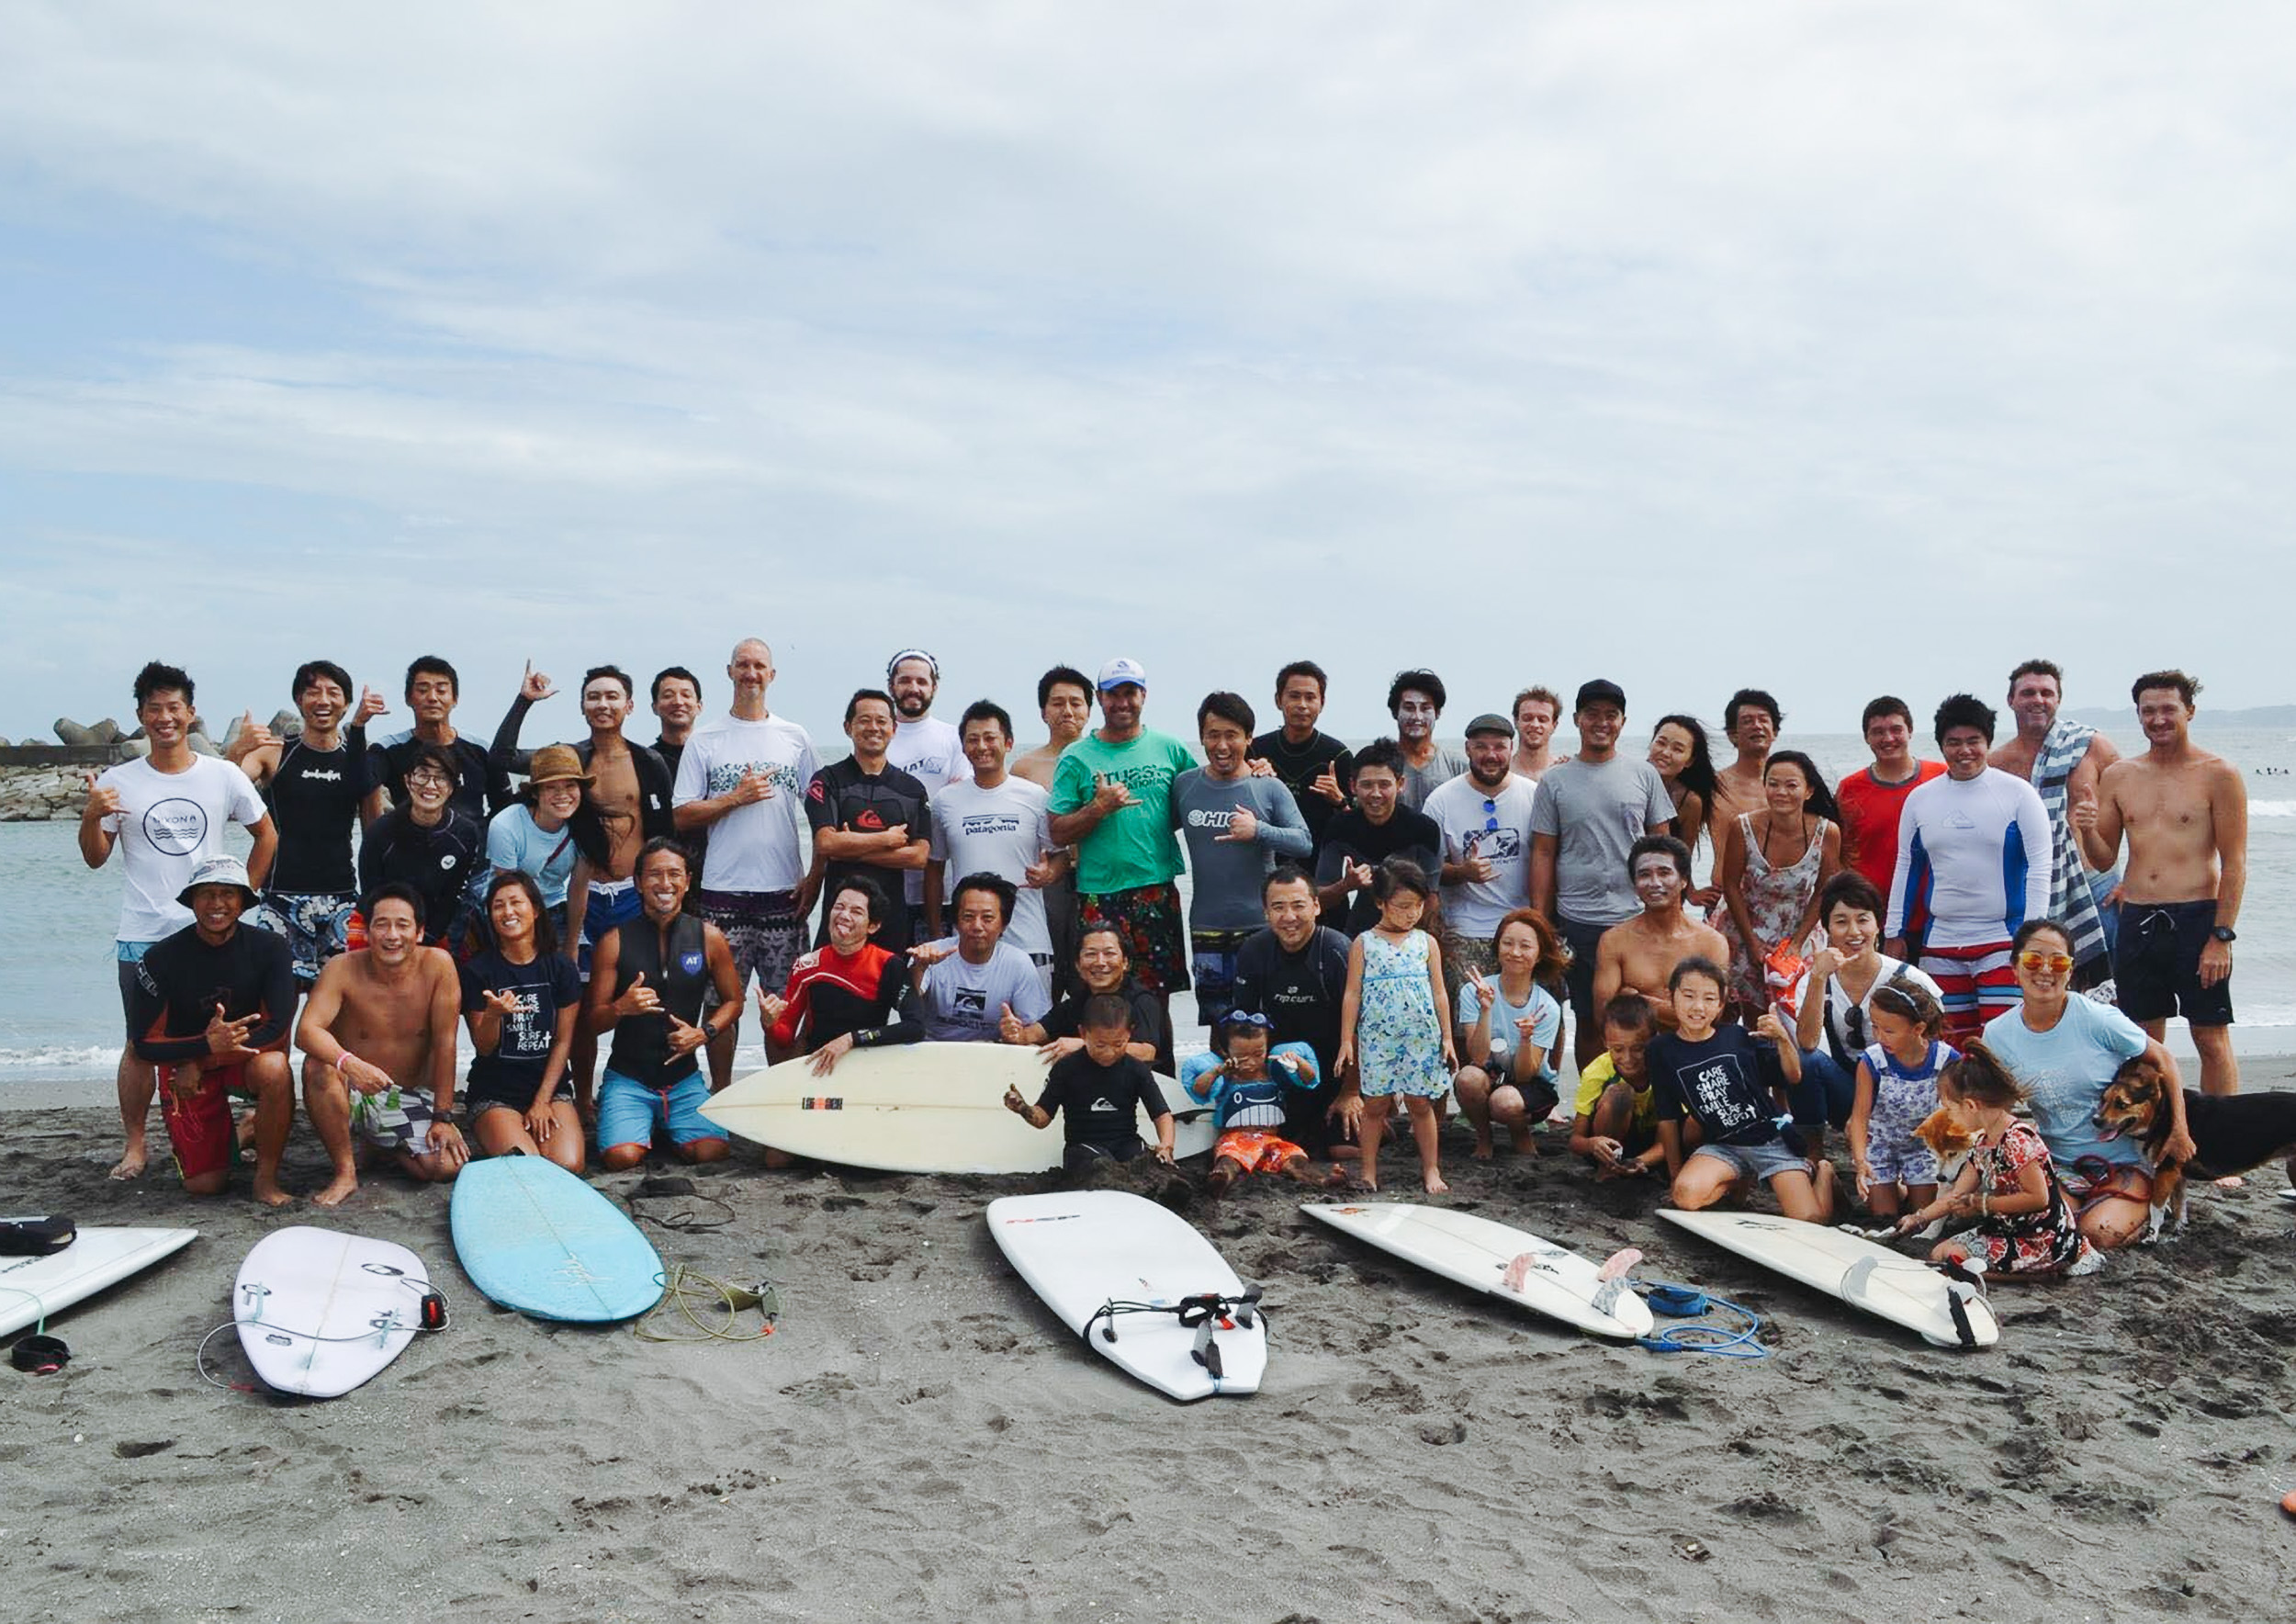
x: 1837, y: 348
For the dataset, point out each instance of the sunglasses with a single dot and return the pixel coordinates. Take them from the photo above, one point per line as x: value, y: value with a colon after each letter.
x: 1854, y: 1023
x: 2058, y: 962
x: 1490, y: 816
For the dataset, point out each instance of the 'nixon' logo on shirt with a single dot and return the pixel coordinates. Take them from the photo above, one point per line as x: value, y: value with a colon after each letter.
x: 177, y: 827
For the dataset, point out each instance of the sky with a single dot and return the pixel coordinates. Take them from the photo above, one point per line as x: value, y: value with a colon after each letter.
x: 1831, y: 349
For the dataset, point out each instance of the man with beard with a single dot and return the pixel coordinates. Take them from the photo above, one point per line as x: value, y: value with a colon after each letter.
x: 1416, y: 699
x: 395, y: 1004
x: 1485, y: 817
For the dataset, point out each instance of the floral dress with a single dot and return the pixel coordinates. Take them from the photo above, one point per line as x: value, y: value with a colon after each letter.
x: 1776, y: 897
x: 2047, y: 1241
x: 1399, y: 1036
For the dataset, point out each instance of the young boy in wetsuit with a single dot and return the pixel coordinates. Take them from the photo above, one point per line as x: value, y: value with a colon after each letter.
x: 1615, y: 1123
x: 1100, y: 1093
x: 1246, y: 1084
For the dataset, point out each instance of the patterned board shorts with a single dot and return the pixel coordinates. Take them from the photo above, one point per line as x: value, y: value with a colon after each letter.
x: 1149, y: 918
x: 765, y: 931
x: 1255, y: 1150
x: 317, y: 925
x: 398, y: 1120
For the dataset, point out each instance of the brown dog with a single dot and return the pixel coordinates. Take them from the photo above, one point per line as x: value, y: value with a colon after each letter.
x: 2231, y: 1133
x: 1948, y: 1140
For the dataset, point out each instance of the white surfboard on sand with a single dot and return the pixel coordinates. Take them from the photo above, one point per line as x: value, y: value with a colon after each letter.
x: 1107, y: 1261
x: 319, y: 1311
x: 922, y: 1107
x: 1901, y: 1290
x: 32, y: 1288
x: 1480, y: 1253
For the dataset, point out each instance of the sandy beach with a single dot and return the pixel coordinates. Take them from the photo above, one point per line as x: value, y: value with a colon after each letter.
x: 920, y: 1440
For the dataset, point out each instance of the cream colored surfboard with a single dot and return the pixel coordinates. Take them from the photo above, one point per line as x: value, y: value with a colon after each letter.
x: 926, y: 1108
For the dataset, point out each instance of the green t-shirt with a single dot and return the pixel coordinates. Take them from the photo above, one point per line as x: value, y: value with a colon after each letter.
x: 1136, y: 846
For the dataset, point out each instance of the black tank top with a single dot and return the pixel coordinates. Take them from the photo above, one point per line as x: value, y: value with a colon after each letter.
x: 315, y: 801
x: 641, y: 1042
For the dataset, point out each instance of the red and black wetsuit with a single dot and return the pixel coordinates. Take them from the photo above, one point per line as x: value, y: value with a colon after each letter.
x: 840, y: 993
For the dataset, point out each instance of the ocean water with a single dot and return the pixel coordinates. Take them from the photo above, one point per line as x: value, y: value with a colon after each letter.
x: 60, y: 1008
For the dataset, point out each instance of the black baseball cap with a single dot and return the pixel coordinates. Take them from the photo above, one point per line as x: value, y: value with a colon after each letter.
x: 1600, y: 691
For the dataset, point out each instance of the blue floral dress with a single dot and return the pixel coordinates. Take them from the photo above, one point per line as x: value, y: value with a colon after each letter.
x: 1398, y: 1037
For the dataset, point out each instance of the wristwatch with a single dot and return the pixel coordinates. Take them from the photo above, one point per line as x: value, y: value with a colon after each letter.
x: 2226, y: 933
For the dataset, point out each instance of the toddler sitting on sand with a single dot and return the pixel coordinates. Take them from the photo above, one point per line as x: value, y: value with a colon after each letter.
x: 1245, y: 1083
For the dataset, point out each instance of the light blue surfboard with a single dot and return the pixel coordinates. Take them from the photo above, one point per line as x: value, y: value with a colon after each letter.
x: 534, y: 1238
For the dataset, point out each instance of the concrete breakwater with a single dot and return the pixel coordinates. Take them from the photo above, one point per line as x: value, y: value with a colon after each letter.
x: 39, y: 782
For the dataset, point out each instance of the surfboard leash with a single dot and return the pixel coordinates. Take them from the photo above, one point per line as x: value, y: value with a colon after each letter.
x: 432, y: 1316
x: 1204, y: 1313
x: 692, y: 1293
x: 1681, y: 1302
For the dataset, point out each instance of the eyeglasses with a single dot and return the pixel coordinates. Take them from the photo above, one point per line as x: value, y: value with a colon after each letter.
x: 429, y: 775
x: 2057, y: 961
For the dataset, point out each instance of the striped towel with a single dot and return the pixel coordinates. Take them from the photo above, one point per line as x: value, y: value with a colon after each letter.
x: 2073, y: 890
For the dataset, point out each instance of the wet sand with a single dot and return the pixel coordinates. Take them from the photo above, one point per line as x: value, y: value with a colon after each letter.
x: 920, y: 1440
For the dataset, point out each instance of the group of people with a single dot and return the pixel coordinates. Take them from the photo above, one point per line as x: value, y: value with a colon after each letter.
x: 1399, y: 920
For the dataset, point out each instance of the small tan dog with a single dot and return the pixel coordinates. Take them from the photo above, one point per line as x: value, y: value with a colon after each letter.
x: 1948, y: 1140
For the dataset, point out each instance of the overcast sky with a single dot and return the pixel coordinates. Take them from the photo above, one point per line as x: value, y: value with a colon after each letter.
x: 1837, y: 349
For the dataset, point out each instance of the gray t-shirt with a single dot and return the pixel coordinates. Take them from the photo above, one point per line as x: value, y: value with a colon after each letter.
x: 1596, y: 811
x: 1226, y: 875
x: 1419, y: 782
x: 962, y: 1003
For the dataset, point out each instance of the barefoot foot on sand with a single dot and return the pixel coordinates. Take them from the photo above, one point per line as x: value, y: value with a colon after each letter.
x: 268, y: 1192
x: 337, y: 1192
x: 1482, y: 1150
x: 130, y: 1165
x: 1436, y: 1185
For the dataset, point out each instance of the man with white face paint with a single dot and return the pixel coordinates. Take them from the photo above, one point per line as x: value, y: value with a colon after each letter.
x: 2064, y: 760
x: 1638, y: 956
x: 1416, y: 699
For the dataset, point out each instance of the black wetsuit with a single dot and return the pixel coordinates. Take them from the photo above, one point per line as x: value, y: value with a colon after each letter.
x: 679, y: 976
x: 315, y: 797
x: 1152, y: 1021
x: 842, y: 797
x: 1303, y: 993
x: 1297, y: 769
x: 438, y: 863
x: 1099, y: 1106
x: 1351, y: 836
x: 182, y: 978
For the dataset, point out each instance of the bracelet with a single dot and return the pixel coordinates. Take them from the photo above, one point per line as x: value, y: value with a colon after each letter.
x: 1984, y: 1203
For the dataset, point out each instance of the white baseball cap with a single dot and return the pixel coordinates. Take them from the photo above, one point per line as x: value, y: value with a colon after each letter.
x: 1118, y: 672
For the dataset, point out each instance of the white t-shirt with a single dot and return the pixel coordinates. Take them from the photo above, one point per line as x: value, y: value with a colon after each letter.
x: 753, y: 847
x: 999, y: 832
x: 929, y: 751
x: 167, y: 824
x: 1844, y: 1044
x: 1495, y: 827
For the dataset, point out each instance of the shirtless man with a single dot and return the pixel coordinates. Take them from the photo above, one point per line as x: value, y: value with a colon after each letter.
x: 1639, y: 955
x: 1064, y: 698
x: 1751, y: 723
x: 377, y: 1036
x: 2186, y: 815
x: 1537, y: 710
x: 2062, y: 760
x: 631, y: 789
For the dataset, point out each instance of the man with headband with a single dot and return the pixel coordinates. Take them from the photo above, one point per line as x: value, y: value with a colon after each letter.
x: 929, y: 751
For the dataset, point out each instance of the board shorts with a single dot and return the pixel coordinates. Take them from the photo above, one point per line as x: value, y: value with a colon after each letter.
x: 129, y: 954
x: 629, y: 1113
x: 1973, y: 984
x: 1540, y: 1098
x: 1084, y: 1153
x: 1761, y: 1163
x: 766, y: 933
x: 1211, y: 956
x: 610, y: 903
x: 1255, y: 1150
x: 316, y: 924
x: 2156, y: 967
x: 397, y: 1120
x: 1149, y: 919
x: 1577, y: 977
x: 199, y: 1128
